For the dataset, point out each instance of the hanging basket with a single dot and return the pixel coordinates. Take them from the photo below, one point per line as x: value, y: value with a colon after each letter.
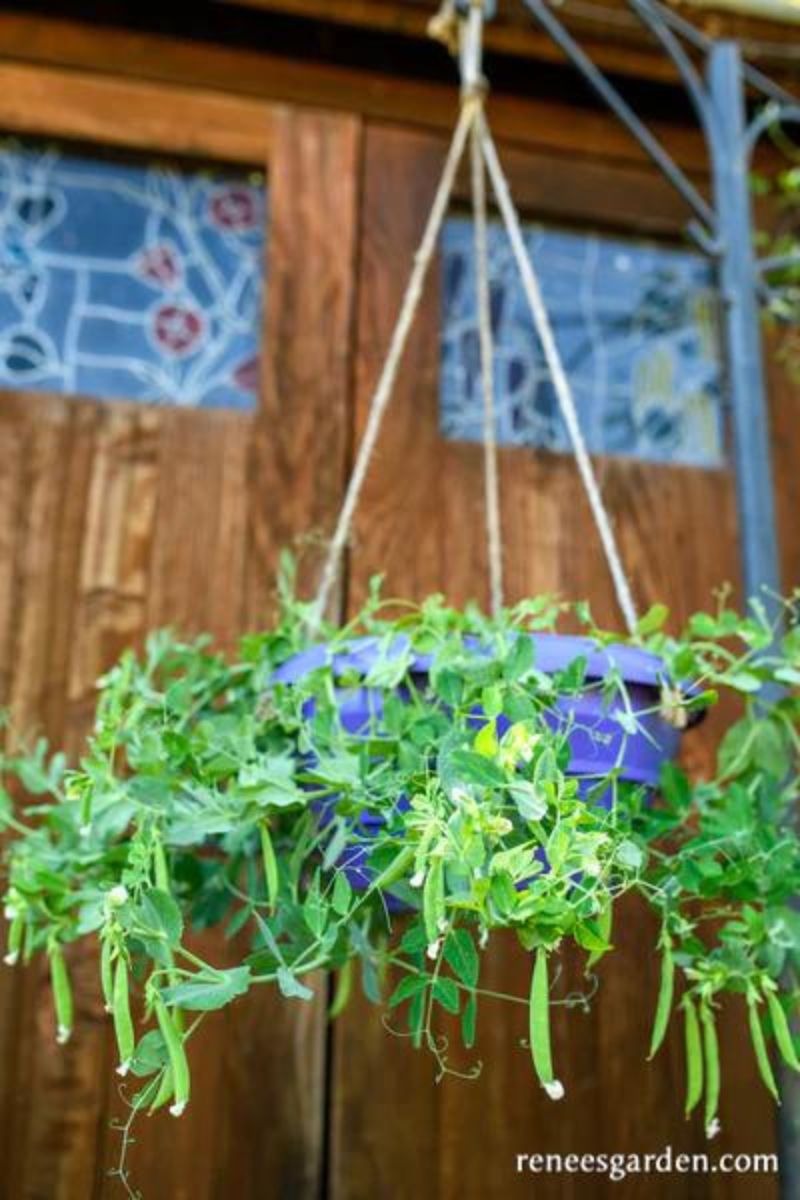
x: 615, y: 726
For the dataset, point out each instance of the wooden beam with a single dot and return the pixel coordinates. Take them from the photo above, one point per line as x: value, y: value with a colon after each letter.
x: 534, y: 123
x: 135, y: 113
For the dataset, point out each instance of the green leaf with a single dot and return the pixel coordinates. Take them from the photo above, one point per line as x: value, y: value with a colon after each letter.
x: 315, y: 909
x: 445, y: 992
x: 291, y: 986
x: 342, y: 894
x: 409, y: 985
x: 652, y: 620
x: 530, y: 801
x: 150, y: 1054
x: 587, y: 934
x: 629, y: 855
x: 461, y: 955
x: 474, y: 768
x: 521, y: 657
x: 159, y: 911
x: 204, y: 993
x: 486, y: 743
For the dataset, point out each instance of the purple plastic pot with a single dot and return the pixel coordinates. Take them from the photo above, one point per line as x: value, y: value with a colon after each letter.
x: 597, y: 741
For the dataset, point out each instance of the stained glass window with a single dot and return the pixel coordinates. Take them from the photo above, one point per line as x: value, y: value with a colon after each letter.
x: 129, y: 279
x: 636, y: 324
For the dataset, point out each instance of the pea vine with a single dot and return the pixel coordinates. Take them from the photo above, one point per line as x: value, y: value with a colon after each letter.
x: 214, y: 793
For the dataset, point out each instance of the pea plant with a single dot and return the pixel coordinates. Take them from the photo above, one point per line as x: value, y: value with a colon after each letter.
x: 217, y: 793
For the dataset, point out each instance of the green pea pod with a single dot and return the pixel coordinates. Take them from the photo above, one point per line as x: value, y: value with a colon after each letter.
x: 539, y: 1026
x: 760, y: 1048
x: 270, y: 864
x: 394, y: 871
x: 107, y: 973
x: 711, y: 1057
x: 86, y: 809
x: 665, y: 996
x: 341, y: 996
x: 123, y: 1022
x: 161, y: 869
x: 178, y: 1062
x: 783, y: 1034
x: 165, y: 1090
x: 62, y: 993
x: 694, y: 1055
x: 16, y: 930
x: 433, y: 899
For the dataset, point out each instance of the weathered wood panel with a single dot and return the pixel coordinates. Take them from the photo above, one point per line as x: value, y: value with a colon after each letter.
x: 394, y: 1132
x: 119, y: 518
x: 134, y: 113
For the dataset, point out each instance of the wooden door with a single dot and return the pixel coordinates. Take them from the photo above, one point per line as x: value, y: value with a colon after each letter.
x: 119, y: 517
x: 395, y: 1132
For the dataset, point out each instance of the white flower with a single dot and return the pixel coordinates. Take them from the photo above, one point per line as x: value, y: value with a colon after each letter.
x: 443, y: 924
x: 555, y: 1089
x: 123, y: 1068
x: 118, y: 896
x: 713, y: 1128
x: 434, y: 948
x: 11, y: 959
x: 10, y: 912
x: 483, y: 940
x: 417, y: 879
x: 85, y: 831
x: 177, y: 1110
x: 63, y: 1035
x: 460, y: 795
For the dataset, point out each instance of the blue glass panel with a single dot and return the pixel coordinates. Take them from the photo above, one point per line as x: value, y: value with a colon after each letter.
x: 130, y: 280
x: 635, y: 323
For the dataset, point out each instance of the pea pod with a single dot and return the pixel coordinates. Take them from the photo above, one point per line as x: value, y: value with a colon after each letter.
x: 178, y: 1062
x: 394, y: 871
x: 86, y: 809
x: 341, y: 996
x: 270, y: 864
x: 539, y: 1027
x: 760, y: 1047
x: 783, y: 1034
x: 694, y: 1054
x: 14, y: 941
x: 107, y: 973
x: 161, y: 869
x: 433, y: 899
x: 665, y: 996
x: 711, y: 1059
x: 164, y: 1091
x: 62, y: 993
x: 123, y: 1022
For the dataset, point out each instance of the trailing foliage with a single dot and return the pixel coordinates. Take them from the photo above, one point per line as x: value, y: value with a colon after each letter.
x: 210, y: 794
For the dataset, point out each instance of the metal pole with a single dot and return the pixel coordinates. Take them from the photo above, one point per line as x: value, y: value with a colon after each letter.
x: 739, y: 278
x: 738, y: 287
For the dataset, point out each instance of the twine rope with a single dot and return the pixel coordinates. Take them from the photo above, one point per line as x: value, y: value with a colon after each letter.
x: 472, y: 123
x: 391, y: 367
x: 494, y: 540
x: 561, y: 384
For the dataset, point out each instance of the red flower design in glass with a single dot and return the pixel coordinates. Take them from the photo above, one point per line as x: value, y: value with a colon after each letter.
x: 176, y: 329
x: 234, y: 209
